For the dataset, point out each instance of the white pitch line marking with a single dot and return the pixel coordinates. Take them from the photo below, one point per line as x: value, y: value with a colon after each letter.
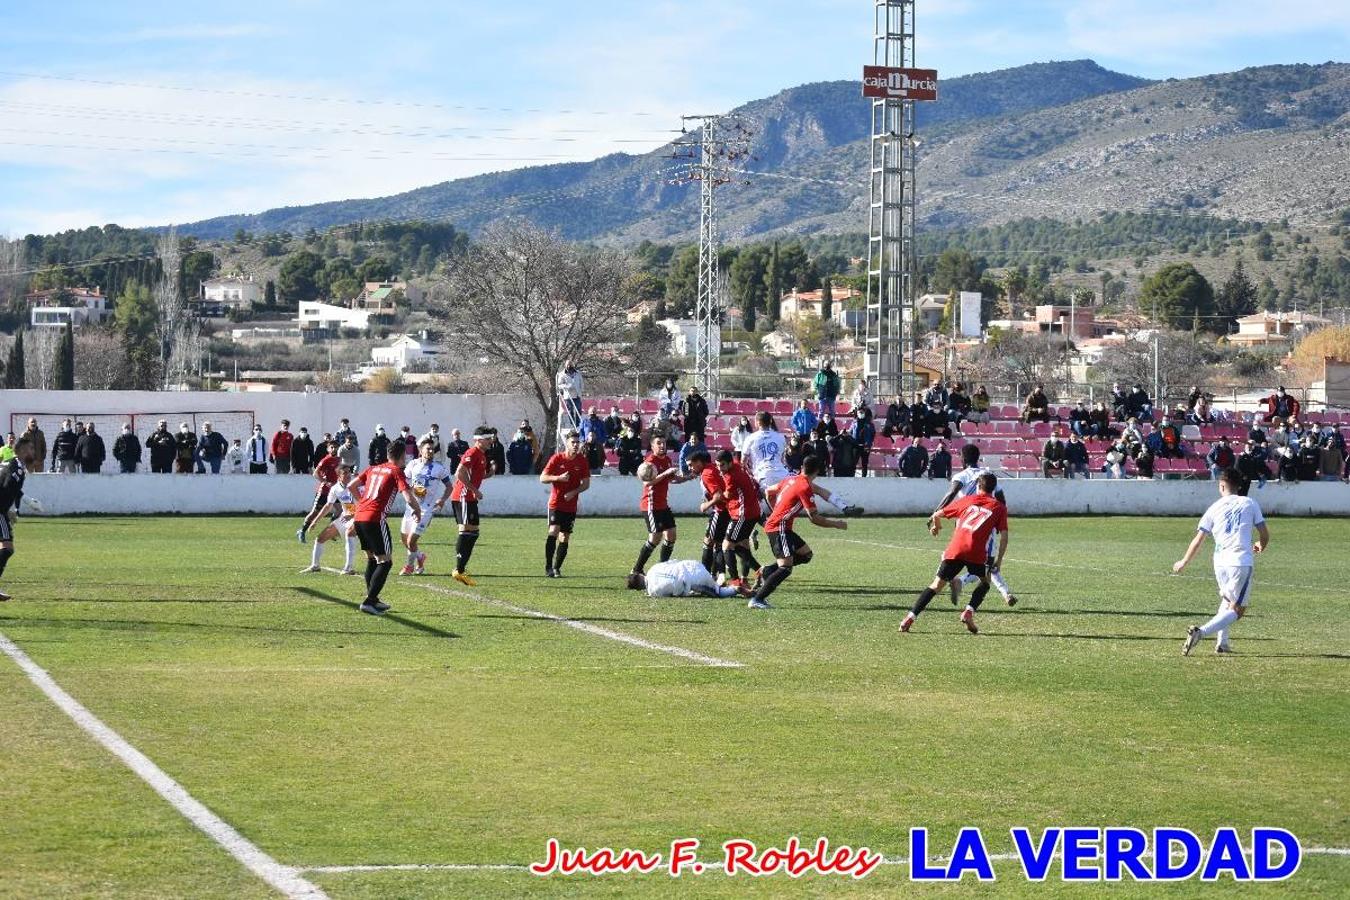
x: 587, y: 627
x: 285, y: 879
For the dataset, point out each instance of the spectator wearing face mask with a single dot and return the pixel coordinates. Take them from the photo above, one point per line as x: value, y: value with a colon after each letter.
x: 185, y: 450
x: 163, y: 448
x: 409, y: 440
x: 1220, y: 457
x: 629, y: 450
x: 256, y: 452
x: 520, y: 454
x: 613, y: 426
x: 234, y: 458
x: 1076, y: 457
x: 302, y: 453
x: 127, y: 450
x: 63, y: 449
x: 439, y: 450
x: 1053, y: 457
x: 378, y: 451
x: 282, y: 442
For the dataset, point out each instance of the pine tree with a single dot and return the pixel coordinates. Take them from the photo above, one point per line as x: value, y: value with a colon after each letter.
x: 65, y: 360
x: 775, y: 287
x: 14, y: 377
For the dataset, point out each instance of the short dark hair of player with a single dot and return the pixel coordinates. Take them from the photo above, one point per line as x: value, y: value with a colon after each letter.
x: 482, y: 431
x: 970, y: 455
x: 636, y: 581
x: 700, y: 456
x: 987, y: 482
x: 764, y: 419
x: 812, y: 466
x: 1233, y: 478
x: 427, y: 442
x: 396, y: 449
x: 726, y: 456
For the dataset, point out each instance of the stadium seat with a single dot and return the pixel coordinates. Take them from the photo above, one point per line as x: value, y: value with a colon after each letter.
x: 627, y: 406
x: 649, y: 405
x: 782, y: 407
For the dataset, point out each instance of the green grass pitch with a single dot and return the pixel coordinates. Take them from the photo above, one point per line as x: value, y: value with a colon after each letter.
x: 459, y: 731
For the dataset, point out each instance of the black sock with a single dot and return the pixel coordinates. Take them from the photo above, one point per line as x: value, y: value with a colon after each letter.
x: 719, y: 560
x: 747, y: 560
x: 919, y: 604
x: 5, y: 554
x: 977, y: 595
x: 464, y: 549
x: 667, y: 548
x: 377, y: 580
x: 549, y: 546
x: 562, y: 554
x: 772, y: 580
x: 708, y: 558
x: 730, y: 560
x: 643, y: 555
x: 370, y: 571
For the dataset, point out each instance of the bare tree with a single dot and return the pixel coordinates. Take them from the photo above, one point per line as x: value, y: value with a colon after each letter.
x: 530, y: 303
x: 40, y: 358
x: 12, y: 279
x: 1020, y: 360
x: 178, y: 333
x: 100, y: 360
x: 1183, y: 359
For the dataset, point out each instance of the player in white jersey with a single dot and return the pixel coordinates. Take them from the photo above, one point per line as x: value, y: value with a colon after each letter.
x: 963, y: 485
x: 342, y: 503
x: 764, y: 457
x: 429, y: 479
x: 681, y: 578
x: 1230, y: 521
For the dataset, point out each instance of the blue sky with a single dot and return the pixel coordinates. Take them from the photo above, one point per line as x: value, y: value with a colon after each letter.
x: 156, y: 112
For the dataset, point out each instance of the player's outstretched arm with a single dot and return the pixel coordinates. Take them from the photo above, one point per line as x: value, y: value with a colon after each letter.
x: 826, y: 522
x: 1264, y: 538
x: 1180, y: 565
x: 1002, y: 549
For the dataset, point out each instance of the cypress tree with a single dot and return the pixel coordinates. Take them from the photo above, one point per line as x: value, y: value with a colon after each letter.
x: 14, y: 369
x: 65, y: 360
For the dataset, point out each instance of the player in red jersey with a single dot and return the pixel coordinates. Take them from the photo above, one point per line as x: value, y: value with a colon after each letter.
x: 326, y: 474
x: 381, y: 482
x: 568, y: 476
x: 474, y: 466
x: 796, y: 495
x: 657, y: 473
x: 715, y: 506
x: 977, y: 517
x: 743, y: 514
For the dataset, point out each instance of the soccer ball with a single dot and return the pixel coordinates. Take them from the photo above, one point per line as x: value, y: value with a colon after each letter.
x: 646, y: 472
x: 33, y: 504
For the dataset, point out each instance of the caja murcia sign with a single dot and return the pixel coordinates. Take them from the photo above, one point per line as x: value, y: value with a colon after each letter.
x: 907, y: 84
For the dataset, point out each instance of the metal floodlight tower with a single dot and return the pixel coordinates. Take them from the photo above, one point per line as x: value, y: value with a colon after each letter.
x: 894, y: 85
x: 719, y: 140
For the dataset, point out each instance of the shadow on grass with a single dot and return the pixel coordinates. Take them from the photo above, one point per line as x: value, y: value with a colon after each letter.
x: 142, y: 625
x: 1175, y: 639
x: 1331, y: 656
x: 844, y: 607
x: 392, y: 617
x: 1158, y: 613
x: 611, y: 619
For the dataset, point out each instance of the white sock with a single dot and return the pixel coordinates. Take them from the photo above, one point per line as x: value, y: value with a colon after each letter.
x: 997, y: 579
x: 969, y: 579
x: 351, y: 553
x: 1221, y: 637
x: 838, y: 500
x: 1220, y: 622
x: 412, y: 558
x: 316, y: 554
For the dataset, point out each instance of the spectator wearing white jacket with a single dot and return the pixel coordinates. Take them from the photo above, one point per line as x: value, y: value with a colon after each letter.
x: 569, y: 386
x: 256, y: 452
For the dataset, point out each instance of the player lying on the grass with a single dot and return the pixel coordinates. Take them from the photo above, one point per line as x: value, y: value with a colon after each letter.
x: 341, y: 505
x: 1230, y: 521
x: 381, y: 483
x: 764, y: 455
x: 681, y: 578
x: 325, y: 476
x: 12, y: 475
x: 795, y: 496
x: 977, y: 517
x: 430, y: 482
x: 743, y: 514
x: 568, y: 475
x: 963, y: 485
x: 657, y: 473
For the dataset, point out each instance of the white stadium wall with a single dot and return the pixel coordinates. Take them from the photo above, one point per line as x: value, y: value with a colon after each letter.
x: 611, y: 494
